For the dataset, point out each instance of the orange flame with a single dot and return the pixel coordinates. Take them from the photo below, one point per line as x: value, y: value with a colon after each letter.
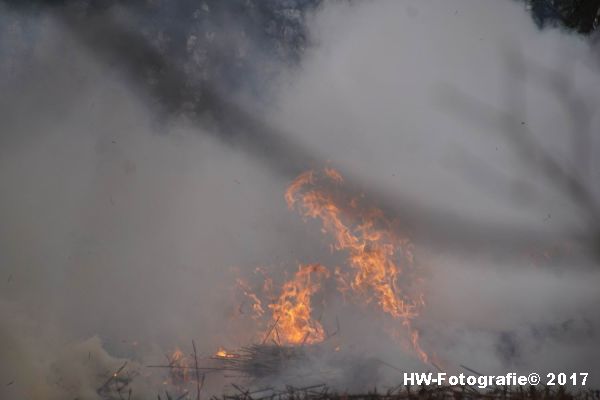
x: 222, y: 353
x: 379, y: 266
x: 303, y: 179
x: 333, y: 175
x: 374, y: 253
x: 178, y: 373
x: 292, y: 319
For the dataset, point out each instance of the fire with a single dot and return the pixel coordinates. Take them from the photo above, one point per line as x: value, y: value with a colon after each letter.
x: 222, y: 353
x: 378, y: 258
x: 290, y: 321
x: 257, y: 308
x: 179, y: 363
x: 302, y: 180
x: 333, y: 175
x: 291, y: 312
x: 378, y: 269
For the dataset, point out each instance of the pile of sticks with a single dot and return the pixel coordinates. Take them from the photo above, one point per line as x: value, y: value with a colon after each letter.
x: 262, y: 360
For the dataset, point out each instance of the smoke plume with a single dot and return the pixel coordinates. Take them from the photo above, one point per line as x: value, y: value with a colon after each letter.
x: 133, y: 198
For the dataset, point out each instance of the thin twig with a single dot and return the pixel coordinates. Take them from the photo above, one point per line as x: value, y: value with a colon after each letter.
x: 270, y: 330
x: 197, y: 373
x: 110, y: 379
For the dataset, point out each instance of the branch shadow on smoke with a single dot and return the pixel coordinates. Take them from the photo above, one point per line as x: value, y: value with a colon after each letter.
x: 160, y: 80
x: 572, y: 180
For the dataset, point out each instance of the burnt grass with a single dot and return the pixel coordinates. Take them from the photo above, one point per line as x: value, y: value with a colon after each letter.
x: 322, y: 392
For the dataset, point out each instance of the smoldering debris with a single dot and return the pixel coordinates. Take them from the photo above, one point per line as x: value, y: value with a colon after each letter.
x: 117, y: 383
x: 259, y: 361
x: 278, y: 367
x: 322, y: 363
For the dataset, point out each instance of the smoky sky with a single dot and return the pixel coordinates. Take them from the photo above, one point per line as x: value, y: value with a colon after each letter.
x: 146, y: 146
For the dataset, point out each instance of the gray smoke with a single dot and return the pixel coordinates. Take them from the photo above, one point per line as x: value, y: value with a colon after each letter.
x: 460, y: 106
x: 125, y: 224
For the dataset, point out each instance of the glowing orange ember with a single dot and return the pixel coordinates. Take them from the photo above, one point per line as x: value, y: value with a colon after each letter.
x: 257, y: 308
x: 222, y: 353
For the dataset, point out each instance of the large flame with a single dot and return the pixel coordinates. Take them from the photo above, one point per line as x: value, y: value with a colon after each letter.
x: 379, y: 267
x: 378, y: 258
x: 292, y: 312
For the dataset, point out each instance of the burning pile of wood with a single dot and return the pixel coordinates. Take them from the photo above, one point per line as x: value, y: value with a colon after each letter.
x: 262, y: 360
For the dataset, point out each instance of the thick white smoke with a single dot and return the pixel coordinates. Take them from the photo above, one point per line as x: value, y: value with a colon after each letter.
x: 119, y: 225
x: 401, y: 93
